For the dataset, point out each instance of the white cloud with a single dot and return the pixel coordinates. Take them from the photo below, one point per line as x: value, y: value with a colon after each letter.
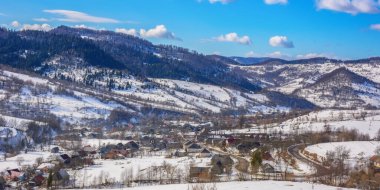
x: 234, y: 37
x: 15, y: 24
x: 310, y: 55
x: 220, y: 1
x: 75, y: 16
x: 132, y: 32
x: 375, y: 26
x: 281, y: 41
x: 252, y: 54
x: 40, y: 27
x: 279, y: 55
x: 216, y: 1
x: 84, y: 27
x: 41, y: 20
x: 276, y: 54
x: 350, y: 6
x: 272, y: 2
x: 160, y: 31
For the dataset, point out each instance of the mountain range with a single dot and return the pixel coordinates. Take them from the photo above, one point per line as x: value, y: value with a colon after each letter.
x: 135, y: 74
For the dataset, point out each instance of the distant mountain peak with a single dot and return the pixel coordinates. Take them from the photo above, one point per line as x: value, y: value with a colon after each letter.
x: 343, y: 75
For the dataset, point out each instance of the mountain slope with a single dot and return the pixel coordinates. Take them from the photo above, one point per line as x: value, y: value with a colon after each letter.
x: 105, y: 49
x: 342, y: 88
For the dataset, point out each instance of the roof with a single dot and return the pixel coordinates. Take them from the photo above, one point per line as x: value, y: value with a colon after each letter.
x: 205, y: 151
x: 188, y: 143
x: 39, y: 178
x: 195, y: 146
x: 267, y: 166
x: 16, y: 170
x: 65, y: 156
x: 63, y: 173
x: 267, y: 156
x: 375, y: 158
x: 46, y: 165
x: 89, y: 149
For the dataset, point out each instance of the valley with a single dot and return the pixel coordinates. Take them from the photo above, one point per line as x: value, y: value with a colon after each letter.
x: 116, y: 111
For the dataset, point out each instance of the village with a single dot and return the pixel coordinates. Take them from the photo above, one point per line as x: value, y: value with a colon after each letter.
x: 178, y: 154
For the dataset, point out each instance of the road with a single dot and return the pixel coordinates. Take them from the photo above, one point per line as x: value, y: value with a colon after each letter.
x: 294, y: 150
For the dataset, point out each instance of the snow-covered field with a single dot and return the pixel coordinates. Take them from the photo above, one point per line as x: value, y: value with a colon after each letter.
x: 335, y: 119
x: 246, y: 185
x: 27, y: 159
x: 114, y: 169
x: 17, y: 123
x: 316, y: 122
x: 101, y: 142
x: 358, y: 149
x: 25, y: 78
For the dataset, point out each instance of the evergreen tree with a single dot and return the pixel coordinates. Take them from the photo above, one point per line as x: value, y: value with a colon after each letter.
x: 256, y: 160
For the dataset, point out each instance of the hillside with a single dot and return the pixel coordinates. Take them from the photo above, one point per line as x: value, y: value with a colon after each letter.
x: 342, y: 88
x: 105, y: 49
x: 157, y: 75
x: 359, y: 80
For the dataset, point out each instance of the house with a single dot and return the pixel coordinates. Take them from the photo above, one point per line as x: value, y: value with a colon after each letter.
x: 221, y: 164
x: 200, y: 173
x: 246, y: 147
x: 267, y: 156
x: 232, y: 141
x: 180, y: 153
x: 46, y: 167
x: 204, y: 154
x: 375, y: 163
x: 55, y: 150
x: 194, y: 148
x: 267, y: 168
x: 65, y: 158
x: 187, y: 144
x: 105, y: 149
x: 37, y: 180
x: 15, y: 175
x: 160, y: 145
x: 146, y: 141
x: 116, y: 154
x: 61, y: 177
x: 215, y: 141
x: 174, y: 145
x: 89, y: 150
x: 133, y: 146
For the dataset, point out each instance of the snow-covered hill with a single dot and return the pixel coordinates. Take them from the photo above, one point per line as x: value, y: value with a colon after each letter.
x: 358, y: 149
x: 30, y: 95
x: 342, y: 88
x: 363, y: 121
x: 304, y: 80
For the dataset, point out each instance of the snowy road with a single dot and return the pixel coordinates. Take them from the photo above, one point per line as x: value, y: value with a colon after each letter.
x: 294, y: 150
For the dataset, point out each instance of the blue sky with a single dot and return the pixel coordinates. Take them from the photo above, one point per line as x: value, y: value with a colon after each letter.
x: 291, y: 29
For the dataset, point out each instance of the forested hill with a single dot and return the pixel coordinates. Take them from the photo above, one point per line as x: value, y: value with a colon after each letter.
x: 105, y: 49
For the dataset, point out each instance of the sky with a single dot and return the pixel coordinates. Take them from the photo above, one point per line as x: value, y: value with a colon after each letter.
x: 289, y: 29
